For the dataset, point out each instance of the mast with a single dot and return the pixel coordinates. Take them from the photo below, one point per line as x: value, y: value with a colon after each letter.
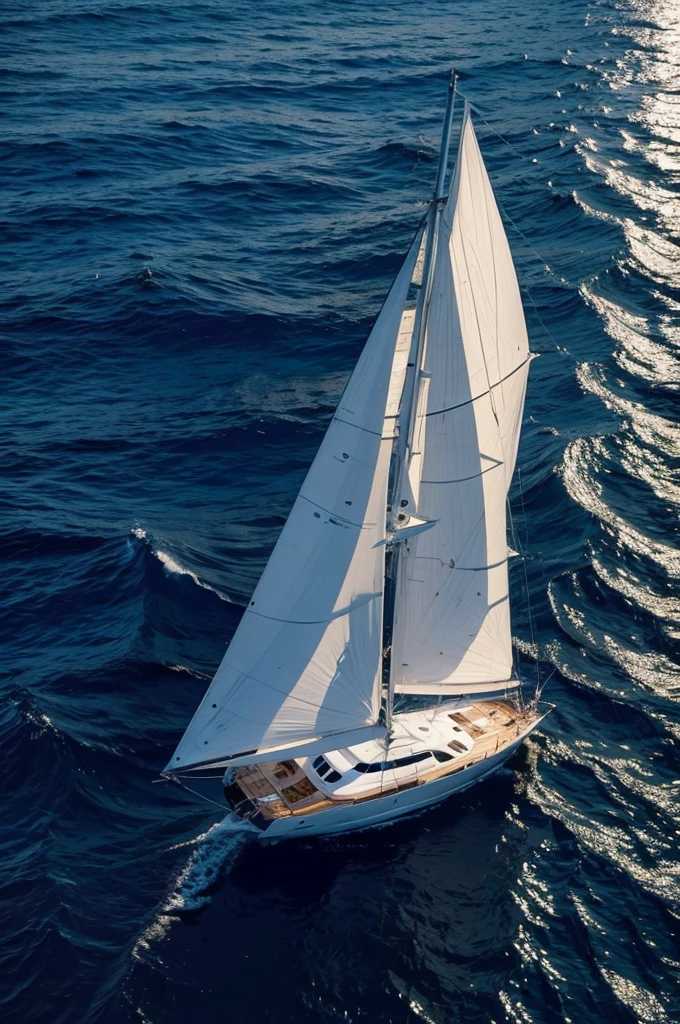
x: 417, y: 353
x: 409, y: 405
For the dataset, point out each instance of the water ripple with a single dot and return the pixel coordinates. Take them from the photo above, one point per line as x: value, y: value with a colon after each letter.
x: 202, y: 212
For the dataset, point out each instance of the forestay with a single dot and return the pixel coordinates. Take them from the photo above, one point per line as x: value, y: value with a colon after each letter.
x: 452, y: 620
x: 303, y: 670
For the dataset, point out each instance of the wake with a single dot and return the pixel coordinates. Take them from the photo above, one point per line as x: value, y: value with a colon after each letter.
x: 216, y: 853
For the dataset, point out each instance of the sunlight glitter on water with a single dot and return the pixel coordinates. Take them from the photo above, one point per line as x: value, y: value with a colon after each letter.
x: 293, y: 199
x: 583, y: 460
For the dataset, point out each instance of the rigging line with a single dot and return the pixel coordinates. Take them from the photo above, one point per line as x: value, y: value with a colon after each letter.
x: 481, y: 568
x: 469, y: 401
x: 526, y: 584
x: 384, y: 302
x: 533, y: 249
x: 465, y: 479
x: 171, y: 777
x: 546, y: 681
x: 516, y: 545
x: 525, y: 288
x: 473, y: 106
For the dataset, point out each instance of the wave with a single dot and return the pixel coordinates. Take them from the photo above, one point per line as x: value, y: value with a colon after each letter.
x: 173, y: 566
x: 268, y: 171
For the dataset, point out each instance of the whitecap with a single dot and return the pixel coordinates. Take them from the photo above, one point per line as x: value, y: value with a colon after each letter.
x: 171, y: 565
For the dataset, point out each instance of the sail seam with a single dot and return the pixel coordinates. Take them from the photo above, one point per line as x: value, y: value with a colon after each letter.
x: 339, y: 419
x: 469, y: 401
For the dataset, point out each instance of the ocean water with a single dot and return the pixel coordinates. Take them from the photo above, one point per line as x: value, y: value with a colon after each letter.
x: 203, y: 204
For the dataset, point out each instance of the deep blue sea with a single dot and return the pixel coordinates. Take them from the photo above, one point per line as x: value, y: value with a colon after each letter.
x: 202, y: 205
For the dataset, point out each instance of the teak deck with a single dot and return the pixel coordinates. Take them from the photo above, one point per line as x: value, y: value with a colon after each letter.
x: 281, y: 788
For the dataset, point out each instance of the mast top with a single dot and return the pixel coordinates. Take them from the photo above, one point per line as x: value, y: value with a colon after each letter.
x: 446, y: 138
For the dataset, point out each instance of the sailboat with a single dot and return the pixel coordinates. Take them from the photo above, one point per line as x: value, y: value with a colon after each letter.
x: 389, y: 580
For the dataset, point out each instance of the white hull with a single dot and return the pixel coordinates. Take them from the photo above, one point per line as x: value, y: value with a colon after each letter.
x: 386, y: 809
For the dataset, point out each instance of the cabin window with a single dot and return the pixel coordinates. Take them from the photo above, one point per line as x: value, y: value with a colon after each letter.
x: 321, y: 766
x: 385, y: 766
x: 441, y: 756
x: 333, y: 777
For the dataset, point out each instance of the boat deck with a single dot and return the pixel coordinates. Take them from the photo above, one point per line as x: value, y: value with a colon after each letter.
x: 281, y: 788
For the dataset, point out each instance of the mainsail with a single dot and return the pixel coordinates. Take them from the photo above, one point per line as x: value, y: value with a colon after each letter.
x: 303, y: 670
x: 451, y: 631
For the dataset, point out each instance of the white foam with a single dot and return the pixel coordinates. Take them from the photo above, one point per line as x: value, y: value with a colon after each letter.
x: 216, y: 847
x: 189, y: 671
x: 170, y: 565
x: 173, y: 566
x: 216, y: 852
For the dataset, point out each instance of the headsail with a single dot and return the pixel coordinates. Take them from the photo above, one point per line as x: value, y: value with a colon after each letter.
x: 452, y: 620
x: 303, y: 670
